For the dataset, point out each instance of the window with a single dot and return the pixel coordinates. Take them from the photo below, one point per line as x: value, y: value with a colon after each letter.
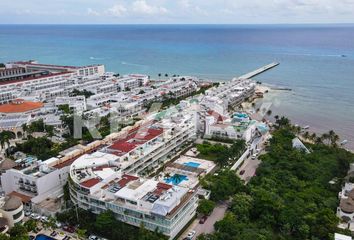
x: 17, y: 215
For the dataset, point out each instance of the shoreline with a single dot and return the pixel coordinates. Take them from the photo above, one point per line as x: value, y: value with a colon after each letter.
x: 266, y: 89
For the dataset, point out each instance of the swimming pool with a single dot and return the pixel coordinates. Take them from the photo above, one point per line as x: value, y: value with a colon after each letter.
x: 192, y: 164
x: 43, y: 237
x: 241, y: 115
x: 176, y: 179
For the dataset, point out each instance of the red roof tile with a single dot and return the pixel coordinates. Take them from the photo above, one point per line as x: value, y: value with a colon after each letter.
x: 32, y: 78
x: 135, y: 137
x: 20, y: 107
x: 90, y: 183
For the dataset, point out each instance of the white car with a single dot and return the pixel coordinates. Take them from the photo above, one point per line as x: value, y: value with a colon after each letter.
x: 35, y: 216
x: 93, y: 237
x: 191, y: 234
x: 254, y: 156
x: 28, y: 213
x: 44, y: 219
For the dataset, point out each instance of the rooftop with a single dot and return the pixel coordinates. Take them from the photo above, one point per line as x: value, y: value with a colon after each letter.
x: 135, y: 138
x: 20, y: 106
x: 33, y: 78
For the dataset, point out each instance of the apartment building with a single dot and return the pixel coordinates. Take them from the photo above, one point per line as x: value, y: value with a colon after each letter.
x: 179, y: 87
x: 77, y: 103
x: 35, y: 180
x: 134, y: 200
x: 233, y: 93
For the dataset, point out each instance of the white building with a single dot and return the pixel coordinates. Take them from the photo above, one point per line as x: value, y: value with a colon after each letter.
x: 11, y: 212
x: 338, y: 236
x: 35, y: 181
x: 135, y: 201
x: 233, y: 93
x: 77, y: 104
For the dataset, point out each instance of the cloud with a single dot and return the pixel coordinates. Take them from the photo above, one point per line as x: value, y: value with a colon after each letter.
x: 117, y: 10
x: 92, y: 12
x: 177, y: 11
x: 142, y: 7
x: 184, y: 3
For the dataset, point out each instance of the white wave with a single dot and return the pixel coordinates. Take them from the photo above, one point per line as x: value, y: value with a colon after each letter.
x: 133, y: 64
x: 314, y: 55
x: 96, y: 58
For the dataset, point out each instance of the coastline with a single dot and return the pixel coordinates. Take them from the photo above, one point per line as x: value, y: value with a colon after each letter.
x: 274, y: 96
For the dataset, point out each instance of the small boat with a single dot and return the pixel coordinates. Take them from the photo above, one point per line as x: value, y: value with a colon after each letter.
x: 306, y: 127
x: 343, y: 55
x: 344, y: 142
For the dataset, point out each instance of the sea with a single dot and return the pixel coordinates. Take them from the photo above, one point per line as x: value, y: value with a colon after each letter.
x: 316, y: 61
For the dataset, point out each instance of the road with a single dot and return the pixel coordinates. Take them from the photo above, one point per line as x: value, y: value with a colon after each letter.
x: 249, y: 166
x: 208, y: 226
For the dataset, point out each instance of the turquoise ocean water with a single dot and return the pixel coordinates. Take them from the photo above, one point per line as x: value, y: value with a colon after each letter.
x: 316, y: 61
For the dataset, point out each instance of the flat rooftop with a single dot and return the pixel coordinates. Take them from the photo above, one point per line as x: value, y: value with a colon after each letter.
x: 135, y: 138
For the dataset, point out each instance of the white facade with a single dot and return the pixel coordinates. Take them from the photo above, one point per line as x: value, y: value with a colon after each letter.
x: 11, y: 208
x: 37, y: 181
x: 77, y: 104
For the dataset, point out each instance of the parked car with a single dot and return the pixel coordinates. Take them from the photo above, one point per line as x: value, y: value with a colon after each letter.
x: 35, y: 216
x: 254, y: 156
x: 69, y: 229
x: 44, y: 219
x: 93, y: 237
x: 28, y: 213
x: 191, y: 235
x: 203, y: 219
x: 242, y: 172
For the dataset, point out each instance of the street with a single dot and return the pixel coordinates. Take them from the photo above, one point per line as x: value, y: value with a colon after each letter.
x: 208, y: 227
x: 249, y: 167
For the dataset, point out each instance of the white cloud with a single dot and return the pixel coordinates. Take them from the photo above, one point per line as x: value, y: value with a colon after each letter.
x: 184, y: 3
x: 142, y: 7
x: 178, y: 11
x: 117, y: 10
x: 92, y: 12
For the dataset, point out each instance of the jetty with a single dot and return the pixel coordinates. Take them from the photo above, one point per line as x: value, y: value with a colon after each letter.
x: 258, y: 71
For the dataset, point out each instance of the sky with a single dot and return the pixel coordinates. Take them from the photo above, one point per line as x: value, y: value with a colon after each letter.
x: 176, y: 11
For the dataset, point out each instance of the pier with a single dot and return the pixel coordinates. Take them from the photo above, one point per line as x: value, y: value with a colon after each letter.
x: 257, y: 71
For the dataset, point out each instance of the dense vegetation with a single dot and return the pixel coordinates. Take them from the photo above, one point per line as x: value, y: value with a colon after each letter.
x: 105, y: 225
x: 85, y: 93
x: 38, y: 126
x: 40, y: 147
x: 290, y: 198
x: 223, y: 155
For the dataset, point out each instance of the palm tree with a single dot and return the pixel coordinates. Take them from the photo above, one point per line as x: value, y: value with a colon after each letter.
x: 333, y: 137
x: 24, y: 128
x: 269, y: 112
x: 313, y: 136
x: 318, y: 140
x: 159, y: 75
x: 166, y: 75
x: 325, y: 137
x: 306, y: 135
x: 5, y: 138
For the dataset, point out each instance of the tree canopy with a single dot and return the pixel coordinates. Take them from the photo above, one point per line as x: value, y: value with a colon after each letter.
x: 290, y: 197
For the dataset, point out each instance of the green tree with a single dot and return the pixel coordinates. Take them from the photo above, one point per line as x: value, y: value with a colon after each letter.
x: 81, y: 233
x: 4, y: 237
x: 30, y: 225
x: 5, y: 137
x: 242, y: 206
x: 105, y: 221
x: 205, y: 207
x: 18, y: 232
